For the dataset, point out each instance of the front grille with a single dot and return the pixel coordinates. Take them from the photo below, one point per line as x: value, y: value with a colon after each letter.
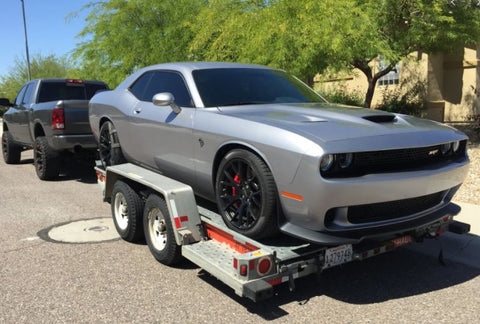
x: 396, y: 160
x: 393, y: 209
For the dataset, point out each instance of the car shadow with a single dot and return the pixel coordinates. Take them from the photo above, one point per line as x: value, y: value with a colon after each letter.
x: 79, y: 170
x: 409, y: 271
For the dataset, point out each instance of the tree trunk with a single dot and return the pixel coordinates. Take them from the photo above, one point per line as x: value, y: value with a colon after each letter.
x: 372, y: 79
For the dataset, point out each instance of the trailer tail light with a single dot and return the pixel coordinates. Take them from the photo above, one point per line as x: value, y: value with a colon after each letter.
x: 58, y: 118
x: 264, y: 266
x: 243, y: 270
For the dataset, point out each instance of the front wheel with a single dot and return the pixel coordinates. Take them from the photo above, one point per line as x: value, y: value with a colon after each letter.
x: 11, y: 150
x: 246, y: 194
x: 159, y: 231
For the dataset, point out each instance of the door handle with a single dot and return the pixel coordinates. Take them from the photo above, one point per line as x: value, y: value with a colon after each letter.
x: 137, y: 110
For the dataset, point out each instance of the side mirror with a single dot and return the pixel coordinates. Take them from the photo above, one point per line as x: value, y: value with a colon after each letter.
x: 166, y: 99
x: 5, y: 102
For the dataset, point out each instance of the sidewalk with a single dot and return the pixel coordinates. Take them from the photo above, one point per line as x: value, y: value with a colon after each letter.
x: 470, y: 214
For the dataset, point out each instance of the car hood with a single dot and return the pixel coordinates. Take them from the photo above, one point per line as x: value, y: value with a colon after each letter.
x: 329, y: 123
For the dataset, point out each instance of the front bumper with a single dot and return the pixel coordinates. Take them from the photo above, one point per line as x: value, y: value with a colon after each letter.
x: 307, y: 217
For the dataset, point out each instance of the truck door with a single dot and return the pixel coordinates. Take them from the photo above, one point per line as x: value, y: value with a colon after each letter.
x: 19, y: 118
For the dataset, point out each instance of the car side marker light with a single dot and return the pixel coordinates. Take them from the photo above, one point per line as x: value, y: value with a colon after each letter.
x: 292, y: 196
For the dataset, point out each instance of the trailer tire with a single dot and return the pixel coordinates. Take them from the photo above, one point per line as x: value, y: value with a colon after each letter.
x: 159, y: 231
x: 45, y: 159
x: 127, y: 209
x: 109, y: 148
x: 11, y: 150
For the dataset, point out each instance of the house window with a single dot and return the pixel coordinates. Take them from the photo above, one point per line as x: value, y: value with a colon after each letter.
x: 391, y: 77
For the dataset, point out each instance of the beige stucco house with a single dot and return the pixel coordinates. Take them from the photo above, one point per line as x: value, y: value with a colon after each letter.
x: 452, y: 83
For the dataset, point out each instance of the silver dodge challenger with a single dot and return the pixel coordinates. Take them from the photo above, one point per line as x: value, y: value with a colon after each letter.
x: 275, y: 156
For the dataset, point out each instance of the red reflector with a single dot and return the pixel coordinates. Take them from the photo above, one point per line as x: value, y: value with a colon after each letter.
x: 440, y: 231
x: 251, y: 265
x: 58, y: 118
x: 235, y: 263
x: 276, y: 281
x: 243, y: 270
x: 77, y: 81
x: 180, y: 220
x: 264, y: 266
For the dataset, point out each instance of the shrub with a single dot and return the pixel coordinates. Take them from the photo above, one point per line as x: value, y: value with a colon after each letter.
x: 341, y: 95
x: 409, y: 102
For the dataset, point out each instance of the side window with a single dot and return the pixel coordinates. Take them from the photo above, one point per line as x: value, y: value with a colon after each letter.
x: 29, y: 93
x: 20, y: 95
x: 139, y: 86
x: 160, y: 81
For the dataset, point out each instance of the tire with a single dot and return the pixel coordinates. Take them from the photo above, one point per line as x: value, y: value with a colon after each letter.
x: 159, y: 231
x: 11, y: 150
x: 246, y: 194
x: 108, y: 145
x: 127, y: 212
x: 45, y: 159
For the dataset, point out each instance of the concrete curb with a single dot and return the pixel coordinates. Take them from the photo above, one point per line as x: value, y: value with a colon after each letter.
x: 470, y: 214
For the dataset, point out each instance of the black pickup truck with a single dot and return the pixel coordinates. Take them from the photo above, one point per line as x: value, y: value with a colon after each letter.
x: 50, y: 116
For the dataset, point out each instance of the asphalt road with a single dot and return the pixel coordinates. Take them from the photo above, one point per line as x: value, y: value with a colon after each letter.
x: 119, y: 282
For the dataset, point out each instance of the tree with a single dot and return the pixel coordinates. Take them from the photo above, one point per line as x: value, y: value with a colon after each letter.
x: 306, y: 36
x: 48, y: 66
x: 122, y: 36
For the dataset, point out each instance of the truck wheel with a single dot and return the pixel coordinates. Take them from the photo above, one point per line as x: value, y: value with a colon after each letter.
x: 127, y: 208
x: 11, y: 150
x: 246, y: 194
x: 109, y: 146
x: 45, y: 159
x: 159, y: 231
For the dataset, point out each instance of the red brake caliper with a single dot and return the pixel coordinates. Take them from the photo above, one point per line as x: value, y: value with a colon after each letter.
x: 235, y: 190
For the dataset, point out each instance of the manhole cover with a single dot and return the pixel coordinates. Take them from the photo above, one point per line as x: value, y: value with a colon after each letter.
x: 83, y: 231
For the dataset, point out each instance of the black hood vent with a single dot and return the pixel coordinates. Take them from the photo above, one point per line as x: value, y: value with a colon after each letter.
x: 381, y: 118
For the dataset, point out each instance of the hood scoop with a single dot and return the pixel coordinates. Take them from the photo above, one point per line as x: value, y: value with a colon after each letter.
x: 381, y: 118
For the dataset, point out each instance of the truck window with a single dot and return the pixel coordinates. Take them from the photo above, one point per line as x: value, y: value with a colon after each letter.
x: 29, y: 93
x: 61, y: 90
x: 21, y: 93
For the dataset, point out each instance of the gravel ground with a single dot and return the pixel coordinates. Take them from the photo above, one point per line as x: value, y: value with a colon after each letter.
x: 470, y: 190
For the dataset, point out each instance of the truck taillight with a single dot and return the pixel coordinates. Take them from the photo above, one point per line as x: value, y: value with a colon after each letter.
x: 58, y: 118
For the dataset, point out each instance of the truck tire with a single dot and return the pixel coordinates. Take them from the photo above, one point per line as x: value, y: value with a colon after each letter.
x: 11, y: 150
x: 246, y: 194
x: 159, y: 231
x: 109, y: 146
x: 127, y: 209
x: 45, y: 159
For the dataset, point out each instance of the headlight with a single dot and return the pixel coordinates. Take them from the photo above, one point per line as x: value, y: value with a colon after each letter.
x: 455, y: 146
x: 345, y: 160
x: 444, y: 148
x: 327, y: 162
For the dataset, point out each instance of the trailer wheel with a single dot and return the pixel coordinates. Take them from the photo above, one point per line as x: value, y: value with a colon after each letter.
x: 11, y: 150
x: 45, y: 159
x: 109, y: 146
x: 127, y: 207
x: 246, y: 194
x: 159, y: 231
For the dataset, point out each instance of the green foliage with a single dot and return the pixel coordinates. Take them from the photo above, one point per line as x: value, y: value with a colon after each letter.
x: 48, y: 66
x: 122, y: 36
x: 342, y: 95
x: 409, y: 102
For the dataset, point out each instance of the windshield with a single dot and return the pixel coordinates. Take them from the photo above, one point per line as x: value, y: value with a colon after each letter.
x: 244, y: 86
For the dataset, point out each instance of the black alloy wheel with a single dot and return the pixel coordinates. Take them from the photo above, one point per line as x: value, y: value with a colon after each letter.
x: 246, y: 194
x: 109, y: 147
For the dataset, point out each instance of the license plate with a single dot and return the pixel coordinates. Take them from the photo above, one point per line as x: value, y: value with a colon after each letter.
x: 338, y: 255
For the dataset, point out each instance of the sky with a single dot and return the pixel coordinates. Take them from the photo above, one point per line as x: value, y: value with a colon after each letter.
x: 49, y: 31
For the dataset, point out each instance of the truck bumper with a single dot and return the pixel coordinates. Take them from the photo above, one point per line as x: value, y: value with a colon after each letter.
x: 72, y: 142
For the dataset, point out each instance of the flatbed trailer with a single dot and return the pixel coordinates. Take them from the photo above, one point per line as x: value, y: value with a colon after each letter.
x: 181, y: 228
